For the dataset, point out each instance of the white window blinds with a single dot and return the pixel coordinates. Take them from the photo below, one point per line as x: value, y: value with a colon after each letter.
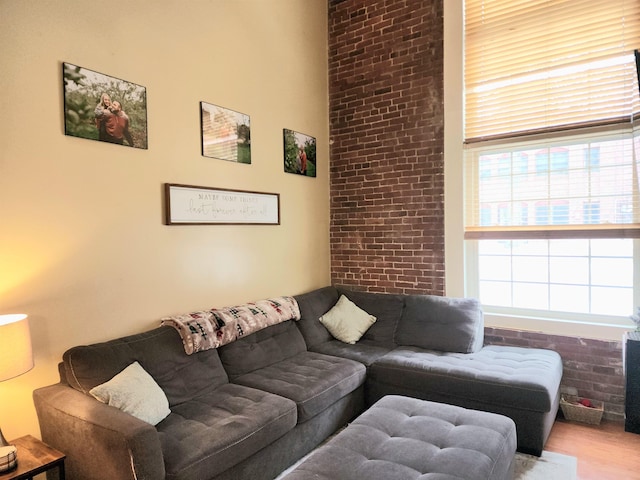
x: 550, y: 89
x: 539, y: 65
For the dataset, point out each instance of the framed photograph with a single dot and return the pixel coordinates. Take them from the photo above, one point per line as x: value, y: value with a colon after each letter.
x: 299, y: 153
x: 192, y: 205
x: 226, y: 134
x: 104, y: 108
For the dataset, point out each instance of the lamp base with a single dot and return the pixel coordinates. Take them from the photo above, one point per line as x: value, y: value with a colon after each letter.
x: 8, y: 455
x: 3, y: 441
x: 8, y: 458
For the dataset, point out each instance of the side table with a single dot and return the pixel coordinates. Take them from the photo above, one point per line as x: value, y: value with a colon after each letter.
x: 34, y: 457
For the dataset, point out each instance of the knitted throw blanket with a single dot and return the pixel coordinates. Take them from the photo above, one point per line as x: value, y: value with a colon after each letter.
x: 214, y: 328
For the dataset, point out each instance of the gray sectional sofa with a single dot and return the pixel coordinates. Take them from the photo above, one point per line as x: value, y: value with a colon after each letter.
x: 251, y: 408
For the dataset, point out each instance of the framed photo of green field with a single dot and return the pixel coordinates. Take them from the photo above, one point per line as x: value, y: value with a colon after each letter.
x: 226, y: 134
x: 104, y: 108
x: 299, y: 153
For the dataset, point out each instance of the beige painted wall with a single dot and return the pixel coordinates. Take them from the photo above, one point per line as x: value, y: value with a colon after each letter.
x: 83, y: 248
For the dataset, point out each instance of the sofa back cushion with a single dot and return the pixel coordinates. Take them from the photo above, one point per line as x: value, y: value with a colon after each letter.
x: 387, y: 309
x: 159, y: 351
x: 313, y: 305
x: 262, y: 348
x: 446, y: 324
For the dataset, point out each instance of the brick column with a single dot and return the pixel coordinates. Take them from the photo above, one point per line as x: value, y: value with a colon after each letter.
x: 386, y: 128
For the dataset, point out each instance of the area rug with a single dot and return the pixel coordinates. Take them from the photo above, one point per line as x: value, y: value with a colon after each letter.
x: 548, y: 466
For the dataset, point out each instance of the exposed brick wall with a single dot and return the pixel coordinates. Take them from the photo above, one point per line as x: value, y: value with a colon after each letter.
x: 593, y: 367
x: 386, y: 127
x: 387, y: 172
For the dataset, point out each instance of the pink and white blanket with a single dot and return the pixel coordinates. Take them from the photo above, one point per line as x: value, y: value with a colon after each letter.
x: 216, y: 327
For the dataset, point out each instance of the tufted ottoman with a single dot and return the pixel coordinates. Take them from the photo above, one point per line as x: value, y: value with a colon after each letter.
x: 404, y: 438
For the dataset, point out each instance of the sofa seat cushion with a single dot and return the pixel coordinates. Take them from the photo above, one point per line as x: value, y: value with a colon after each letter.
x: 524, y: 378
x: 218, y: 429
x: 405, y: 438
x: 313, y: 380
x: 365, y: 351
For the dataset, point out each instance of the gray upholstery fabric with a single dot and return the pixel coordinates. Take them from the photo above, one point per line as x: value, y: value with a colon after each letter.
x: 100, y: 442
x: 441, y: 323
x: 313, y: 305
x: 312, y: 380
x: 528, y: 378
x: 218, y: 429
x: 385, y: 307
x: 403, y: 438
x: 269, y: 462
x: 159, y: 351
x: 522, y: 383
x: 224, y: 431
x: 316, y: 303
x: 364, y: 351
x: 262, y: 348
x: 430, y: 381
x: 116, y: 446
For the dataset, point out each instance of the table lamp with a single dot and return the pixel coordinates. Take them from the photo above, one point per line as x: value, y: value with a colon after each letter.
x: 16, y: 358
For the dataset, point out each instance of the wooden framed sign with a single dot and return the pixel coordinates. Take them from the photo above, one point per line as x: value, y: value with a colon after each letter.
x: 192, y: 205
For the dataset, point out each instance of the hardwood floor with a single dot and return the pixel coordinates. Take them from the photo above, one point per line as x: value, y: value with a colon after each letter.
x: 604, y: 452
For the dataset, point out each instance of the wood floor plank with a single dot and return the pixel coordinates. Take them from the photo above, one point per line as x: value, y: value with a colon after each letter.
x: 604, y: 452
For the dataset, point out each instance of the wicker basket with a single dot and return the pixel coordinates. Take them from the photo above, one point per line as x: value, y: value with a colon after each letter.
x: 574, y: 411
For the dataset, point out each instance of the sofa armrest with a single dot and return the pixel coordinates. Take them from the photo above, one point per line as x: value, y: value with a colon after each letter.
x: 100, y: 442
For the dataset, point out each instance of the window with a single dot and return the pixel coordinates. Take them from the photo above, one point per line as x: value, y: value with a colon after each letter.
x: 583, y: 276
x: 552, y: 197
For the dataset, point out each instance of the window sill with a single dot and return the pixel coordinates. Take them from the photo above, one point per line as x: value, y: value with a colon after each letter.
x: 569, y: 328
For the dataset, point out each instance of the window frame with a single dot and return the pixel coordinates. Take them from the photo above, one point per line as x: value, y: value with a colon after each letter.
x: 552, y: 208
x: 456, y: 255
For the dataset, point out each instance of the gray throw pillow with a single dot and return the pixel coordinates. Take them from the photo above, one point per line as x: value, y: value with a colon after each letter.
x: 441, y: 323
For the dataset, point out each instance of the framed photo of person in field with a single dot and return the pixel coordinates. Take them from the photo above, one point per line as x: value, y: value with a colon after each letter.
x: 299, y: 153
x: 104, y: 108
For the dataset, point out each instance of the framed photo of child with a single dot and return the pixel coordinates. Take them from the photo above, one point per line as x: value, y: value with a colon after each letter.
x: 299, y: 153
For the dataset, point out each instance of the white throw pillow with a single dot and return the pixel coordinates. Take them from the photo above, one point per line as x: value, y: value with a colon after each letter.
x: 134, y: 391
x: 346, y: 321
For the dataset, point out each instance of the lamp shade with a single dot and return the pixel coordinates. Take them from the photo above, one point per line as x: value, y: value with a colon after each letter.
x: 16, y: 356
